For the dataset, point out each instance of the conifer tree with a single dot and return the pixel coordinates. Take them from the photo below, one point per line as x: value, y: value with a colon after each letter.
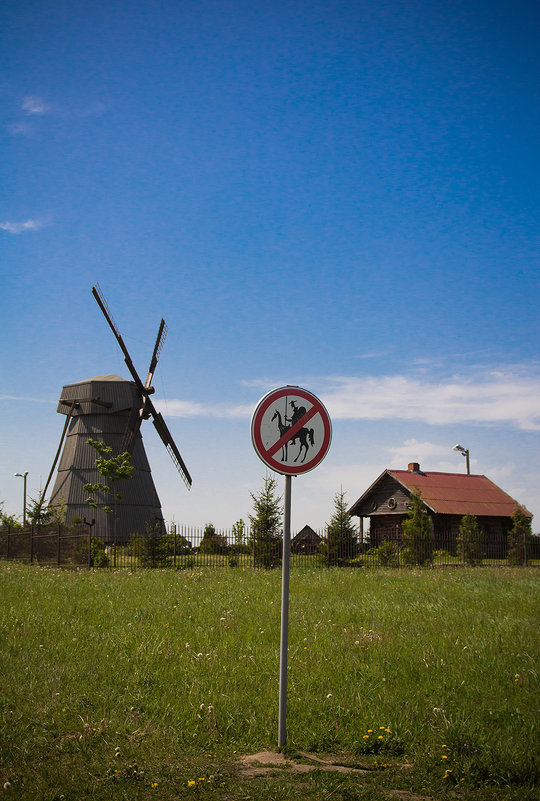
x: 266, y: 522
x: 519, y: 537
x: 470, y: 540
x: 341, y: 543
x: 417, y: 531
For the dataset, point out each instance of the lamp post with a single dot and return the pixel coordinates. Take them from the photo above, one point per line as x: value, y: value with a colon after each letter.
x: 465, y: 452
x: 23, y: 476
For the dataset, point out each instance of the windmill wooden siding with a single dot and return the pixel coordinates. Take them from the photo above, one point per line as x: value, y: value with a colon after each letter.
x: 140, y: 504
x: 447, y: 497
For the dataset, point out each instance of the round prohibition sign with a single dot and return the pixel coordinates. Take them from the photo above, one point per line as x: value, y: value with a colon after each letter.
x: 291, y: 430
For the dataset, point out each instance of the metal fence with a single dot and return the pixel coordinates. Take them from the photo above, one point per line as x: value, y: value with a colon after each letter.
x: 188, y: 548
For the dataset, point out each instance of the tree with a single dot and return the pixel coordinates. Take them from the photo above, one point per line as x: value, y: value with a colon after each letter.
x: 238, y: 532
x: 112, y: 467
x: 519, y: 537
x: 418, y: 540
x: 470, y: 540
x: 266, y: 521
x: 212, y: 542
x: 40, y: 513
x: 341, y: 542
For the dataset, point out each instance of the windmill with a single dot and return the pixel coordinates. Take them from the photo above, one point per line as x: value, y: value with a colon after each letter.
x: 112, y: 409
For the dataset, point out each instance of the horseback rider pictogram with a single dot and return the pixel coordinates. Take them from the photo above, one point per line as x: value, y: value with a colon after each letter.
x: 297, y: 413
x: 305, y: 435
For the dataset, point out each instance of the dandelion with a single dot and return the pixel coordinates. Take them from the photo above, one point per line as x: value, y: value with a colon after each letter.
x: 191, y: 783
x: 381, y: 728
x: 154, y: 785
x: 380, y: 737
x: 370, y: 731
x: 445, y: 756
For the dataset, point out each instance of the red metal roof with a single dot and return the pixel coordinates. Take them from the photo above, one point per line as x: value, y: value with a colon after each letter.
x: 459, y: 494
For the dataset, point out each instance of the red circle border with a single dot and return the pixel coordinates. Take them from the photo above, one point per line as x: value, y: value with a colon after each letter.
x: 262, y: 406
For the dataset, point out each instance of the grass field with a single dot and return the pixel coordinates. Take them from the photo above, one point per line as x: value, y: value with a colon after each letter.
x: 152, y: 684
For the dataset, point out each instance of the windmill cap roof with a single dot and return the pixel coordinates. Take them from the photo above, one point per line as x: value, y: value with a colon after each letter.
x: 118, y: 394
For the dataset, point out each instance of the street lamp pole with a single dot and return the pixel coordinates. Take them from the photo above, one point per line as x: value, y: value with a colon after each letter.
x: 23, y: 476
x: 465, y: 453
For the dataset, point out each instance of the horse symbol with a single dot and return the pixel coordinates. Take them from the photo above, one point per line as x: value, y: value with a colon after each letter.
x: 303, y: 434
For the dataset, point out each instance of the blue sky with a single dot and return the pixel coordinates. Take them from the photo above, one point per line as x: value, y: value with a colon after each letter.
x: 343, y: 196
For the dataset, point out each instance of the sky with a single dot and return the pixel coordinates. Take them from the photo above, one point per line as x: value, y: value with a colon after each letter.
x: 340, y: 196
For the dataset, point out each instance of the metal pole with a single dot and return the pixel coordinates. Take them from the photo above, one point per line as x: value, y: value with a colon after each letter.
x: 24, y: 502
x: 282, y: 722
x: 468, y: 464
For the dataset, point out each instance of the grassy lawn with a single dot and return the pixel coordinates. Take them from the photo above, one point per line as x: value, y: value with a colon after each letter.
x: 153, y: 684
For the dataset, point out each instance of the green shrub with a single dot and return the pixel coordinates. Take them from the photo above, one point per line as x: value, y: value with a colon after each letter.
x: 98, y: 557
x: 386, y: 553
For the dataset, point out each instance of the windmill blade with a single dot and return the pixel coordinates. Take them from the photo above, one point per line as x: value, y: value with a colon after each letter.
x: 166, y: 438
x: 132, y: 428
x: 158, y: 347
x: 102, y: 303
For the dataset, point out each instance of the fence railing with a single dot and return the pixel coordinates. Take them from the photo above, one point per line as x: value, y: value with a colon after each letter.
x: 188, y: 548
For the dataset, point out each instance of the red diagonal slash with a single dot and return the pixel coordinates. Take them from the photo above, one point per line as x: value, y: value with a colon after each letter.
x: 291, y: 433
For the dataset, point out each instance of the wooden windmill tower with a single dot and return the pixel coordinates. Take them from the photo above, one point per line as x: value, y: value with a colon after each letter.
x: 111, y: 409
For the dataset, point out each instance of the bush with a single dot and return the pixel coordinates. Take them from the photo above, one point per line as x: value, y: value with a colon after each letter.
x: 386, y: 553
x: 98, y: 557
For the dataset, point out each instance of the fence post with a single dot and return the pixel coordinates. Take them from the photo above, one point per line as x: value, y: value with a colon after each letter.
x: 174, y: 546
x: 58, y: 547
x: 32, y: 545
x: 8, y: 542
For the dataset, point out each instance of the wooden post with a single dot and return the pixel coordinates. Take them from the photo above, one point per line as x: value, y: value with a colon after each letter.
x: 58, y: 547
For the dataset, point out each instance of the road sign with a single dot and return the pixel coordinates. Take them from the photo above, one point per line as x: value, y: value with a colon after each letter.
x: 291, y: 430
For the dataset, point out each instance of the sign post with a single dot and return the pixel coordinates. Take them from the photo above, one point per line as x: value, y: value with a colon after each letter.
x: 291, y: 433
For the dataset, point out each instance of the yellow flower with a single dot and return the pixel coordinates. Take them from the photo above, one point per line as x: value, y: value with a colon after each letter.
x: 191, y: 783
x: 155, y: 784
x: 366, y: 736
x: 380, y: 737
x: 444, y: 756
x: 381, y: 728
x: 370, y: 731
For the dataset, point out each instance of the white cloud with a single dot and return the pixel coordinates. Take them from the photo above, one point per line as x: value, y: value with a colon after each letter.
x: 33, y: 104
x: 181, y: 408
x: 20, y: 227
x: 502, y: 398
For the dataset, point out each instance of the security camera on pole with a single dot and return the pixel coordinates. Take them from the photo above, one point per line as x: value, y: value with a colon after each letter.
x: 291, y: 433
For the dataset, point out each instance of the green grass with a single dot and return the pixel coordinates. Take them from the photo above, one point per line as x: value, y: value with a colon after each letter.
x: 119, y: 685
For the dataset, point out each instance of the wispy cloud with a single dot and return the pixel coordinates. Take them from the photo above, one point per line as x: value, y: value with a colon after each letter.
x: 21, y: 227
x: 180, y: 408
x: 33, y: 104
x: 497, y: 398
